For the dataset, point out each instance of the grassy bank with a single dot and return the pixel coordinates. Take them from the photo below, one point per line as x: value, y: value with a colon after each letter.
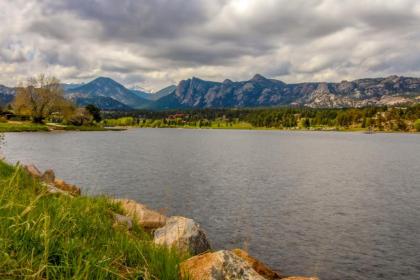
x: 21, y: 127
x: 32, y: 127
x: 47, y: 236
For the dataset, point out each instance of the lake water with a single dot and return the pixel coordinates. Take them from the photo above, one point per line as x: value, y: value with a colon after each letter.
x: 336, y: 205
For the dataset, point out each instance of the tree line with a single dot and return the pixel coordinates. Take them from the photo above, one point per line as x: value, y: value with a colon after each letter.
x: 368, y: 118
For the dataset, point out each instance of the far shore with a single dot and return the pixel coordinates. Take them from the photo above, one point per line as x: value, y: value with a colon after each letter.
x: 52, y: 127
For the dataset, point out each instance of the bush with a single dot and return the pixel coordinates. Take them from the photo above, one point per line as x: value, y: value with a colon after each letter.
x: 417, y: 125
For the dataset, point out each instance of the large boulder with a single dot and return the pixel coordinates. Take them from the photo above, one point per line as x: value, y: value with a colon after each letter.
x: 33, y: 171
x: 71, y: 189
x: 300, y: 278
x: 184, y: 234
x: 220, y: 265
x: 144, y: 216
x: 258, y: 266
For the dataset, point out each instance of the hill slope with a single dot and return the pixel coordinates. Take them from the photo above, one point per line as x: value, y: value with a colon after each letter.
x: 105, y: 103
x: 154, y: 96
x: 103, y: 87
x: 6, y: 95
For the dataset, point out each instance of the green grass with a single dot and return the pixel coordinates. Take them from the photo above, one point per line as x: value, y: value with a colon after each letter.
x: 82, y: 128
x: 22, y: 127
x: 32, y: 127
x: 46, y: 236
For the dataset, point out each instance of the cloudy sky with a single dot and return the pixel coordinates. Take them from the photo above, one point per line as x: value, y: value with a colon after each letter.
x: 154, y: 43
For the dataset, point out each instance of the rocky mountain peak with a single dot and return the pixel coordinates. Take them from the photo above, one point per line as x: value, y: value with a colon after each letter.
x: 258, y: 78
x: 105, y: 81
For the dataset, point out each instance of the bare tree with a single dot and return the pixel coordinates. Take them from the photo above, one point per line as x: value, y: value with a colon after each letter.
x: 41, y: 97
x: 81, y: 116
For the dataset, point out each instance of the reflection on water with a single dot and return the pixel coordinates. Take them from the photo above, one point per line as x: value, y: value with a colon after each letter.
x: 339, y: 205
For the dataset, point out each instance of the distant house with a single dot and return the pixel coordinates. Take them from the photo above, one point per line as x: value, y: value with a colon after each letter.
x: 57, y: 117
x: 178, y: 116
x: 7, y: 115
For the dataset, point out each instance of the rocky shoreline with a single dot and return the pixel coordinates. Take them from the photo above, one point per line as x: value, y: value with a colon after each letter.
x: 178, y: 232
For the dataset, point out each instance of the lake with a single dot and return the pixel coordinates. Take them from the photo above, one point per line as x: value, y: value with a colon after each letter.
x: 336, y: 205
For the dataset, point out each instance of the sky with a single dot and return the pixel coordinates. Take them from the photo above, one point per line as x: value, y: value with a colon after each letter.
x: 156, y: 43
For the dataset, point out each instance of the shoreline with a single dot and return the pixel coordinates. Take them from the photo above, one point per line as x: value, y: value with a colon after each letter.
x: 52, y: 127
x: 180, y: 235
x: 363, y: 131
x: 18, y: 127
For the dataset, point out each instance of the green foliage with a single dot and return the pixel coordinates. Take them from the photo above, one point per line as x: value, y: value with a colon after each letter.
x: 32, y: 127
x: 22, y: 127
x: 83, y: 128
x: 369, y: 118
x: 95, y: 112
x: 417, y: 125
x: 123, y: 121
x: 46, y: 236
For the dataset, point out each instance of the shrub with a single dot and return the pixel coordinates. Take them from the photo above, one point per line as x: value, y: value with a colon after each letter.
x: 417, y: 125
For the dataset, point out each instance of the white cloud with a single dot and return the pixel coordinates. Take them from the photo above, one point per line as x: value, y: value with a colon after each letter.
x: 159, y: 42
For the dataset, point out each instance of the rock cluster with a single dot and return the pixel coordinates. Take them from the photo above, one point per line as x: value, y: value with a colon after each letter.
x: 235, y: 264
x: 186, y: 235
x: 54, y: 185
x: 179, y: 232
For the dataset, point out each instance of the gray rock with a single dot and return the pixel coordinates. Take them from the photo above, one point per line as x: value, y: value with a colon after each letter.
x: 183, y: 233
x: 260, y: 91
x: 123, y: 220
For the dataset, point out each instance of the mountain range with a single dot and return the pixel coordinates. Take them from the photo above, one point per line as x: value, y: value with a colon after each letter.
x: 256, y: 92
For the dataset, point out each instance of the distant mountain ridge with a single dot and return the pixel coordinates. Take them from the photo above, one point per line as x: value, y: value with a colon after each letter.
x: 256, y: 92
x: 108, y: 94
x: 263, y: 92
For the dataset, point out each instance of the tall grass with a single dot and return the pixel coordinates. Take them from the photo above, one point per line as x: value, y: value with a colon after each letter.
x: 50, y: 236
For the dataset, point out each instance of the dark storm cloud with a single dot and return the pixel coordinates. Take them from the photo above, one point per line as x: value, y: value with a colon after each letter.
x: 123, y: 67
x: 162, y: 41
x: 130, y: 20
